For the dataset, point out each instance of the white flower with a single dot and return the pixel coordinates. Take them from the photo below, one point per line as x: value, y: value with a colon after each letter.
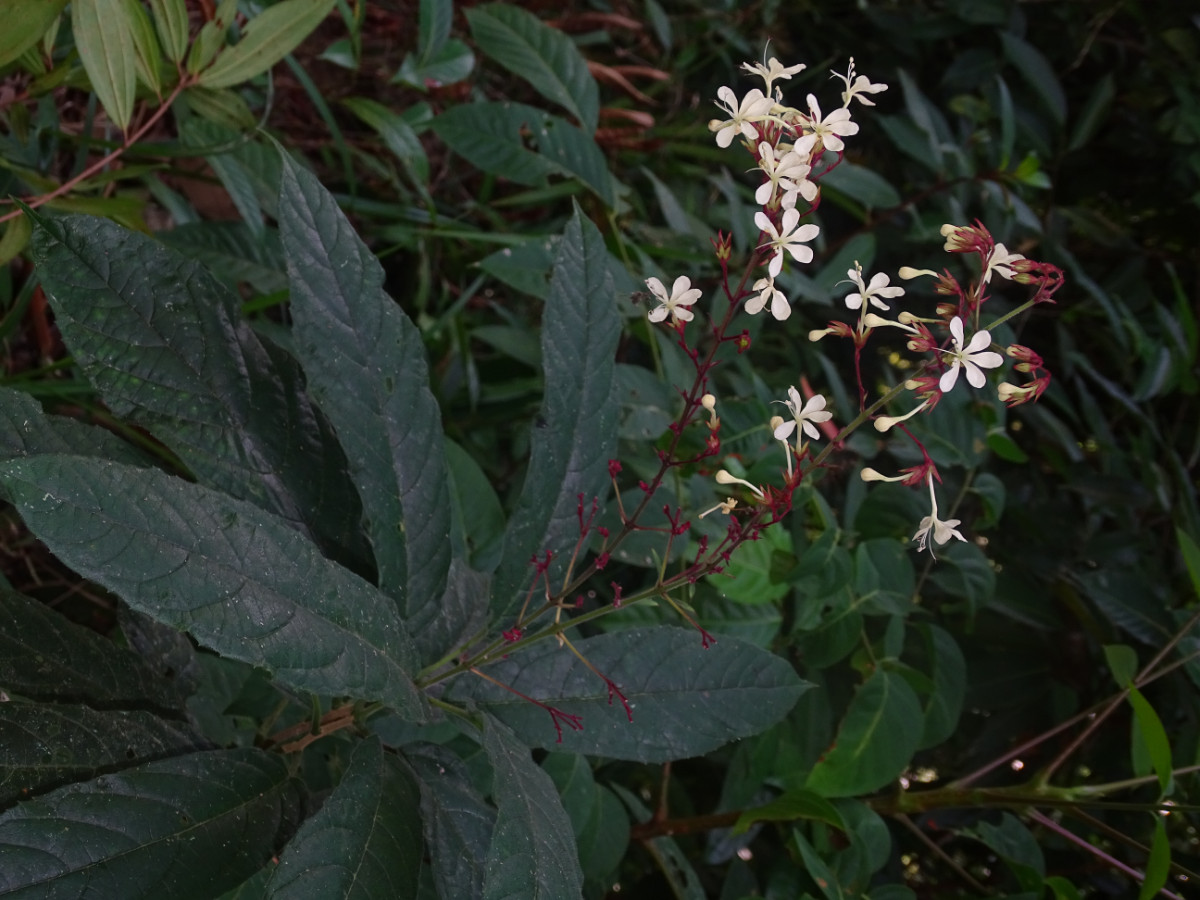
x: 789, y: 172
x: 974, y: 357
x: 788, y: 237
x: 803, y: 415
x: 832, y: 128
x: 857, y: 87
x: 754, y: 107
x: 767, y: 292
x: 942, y: 531
x: 772, y: 70
x: 999, y: 261
x: 870, y: 292
x: 675, y: 303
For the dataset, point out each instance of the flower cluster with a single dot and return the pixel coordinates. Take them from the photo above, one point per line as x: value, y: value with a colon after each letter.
x: 792, y: 148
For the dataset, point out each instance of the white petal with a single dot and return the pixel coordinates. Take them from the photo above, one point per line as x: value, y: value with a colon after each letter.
x: 784, y: 431
x: 780, y: 308
x: 981, y: 341
x: 682, y: 283
x: 811, y: 431
x: 656, y: 287
x: 949, y: 377
x: 956, y: 330
x: 763, y: 195
x: 755, y: 304
x: 657, y: 315
x: 776, y: 265
x: 764, y: 223
x: 988, y: 360
x: 975, y: 376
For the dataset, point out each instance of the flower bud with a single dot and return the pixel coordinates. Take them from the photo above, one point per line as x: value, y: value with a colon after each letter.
x: 908, y: 272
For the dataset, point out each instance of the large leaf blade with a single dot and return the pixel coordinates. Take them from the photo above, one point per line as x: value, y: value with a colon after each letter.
x: 686, y: 700
x: 365, y: 362
x: 364, y: 842
x: 140, y: 832
x: 24, y: 24
x: 43, y: 656
x: 543, y: 56
x: 240, y: 580
x: 45, y: 744
x: 577, y: 429
x: 532, y: 855
x: 165, y: 345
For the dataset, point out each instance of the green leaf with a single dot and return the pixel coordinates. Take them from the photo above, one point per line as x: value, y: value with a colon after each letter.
x: 450, y: 64
x: 145, y: 45
x: 104, y: 37
x: 16, y: 239
x: 241, y: 580
x: 43, y: 656
x: 145, y: 829
x: 1158, y: 866
x: 434, y: 19
x: 817, y: 869
x: 366, y: 368
x: 875, y: 740
x: 532, y: 855
x: 266, y: 39
x: 686, y: 700
x: 1035, y: 69
x: 27, y: 431
x: 576, y: 435
x: 171, y: 22
x: 1191, y: 556
x: 543, y: 56
x: 166, y: 346
x: 948, y: 669
x: 44, y: 745
x: 397, y: 135
x: 233, y: 253
x: 1094, y: 112
x: 458, y: 823
x: 1155, y: 736
x: 1122, y: 662
x: 24, y: 25
x: 798, y: 803
x: 755, y: 575
x: 1016, y: 845
x: 364, y: 842
x: 863, y: 185
x: 477, y: 516
x: 674, y: 864
x: 496, y: 138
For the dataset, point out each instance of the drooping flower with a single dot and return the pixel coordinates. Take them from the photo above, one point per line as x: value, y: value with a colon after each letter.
x: 974, y: 357
x: 1000, y: 261
x: 804, y: 415
x: 931, y: 524
x: 790, y: 236
x: 832, y: 128
x: 754, y: 107
x: 767, y: 292
x: 858, y: 87
x: 878, y: 287
x: 676, y: 303
x: 772, y: 70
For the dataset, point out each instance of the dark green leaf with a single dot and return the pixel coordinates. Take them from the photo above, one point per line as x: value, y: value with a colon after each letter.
x: 686, y: 700
x: 543, y: 56
x: 366, y: 367
x: 1017, y: 846
x: 448, y: 65
x: 45, y: 657
x: 165, y: 345
x: 1034, y: 67
x: 577, y: 424
x: 863, y: 185
x: 241, y: 580
x: 24, y: 25
x: 818, y: 870
x: 676, y: 868
x: 364, y: 842
x: 495, y: 138
x: 604, y: 840
x: 948, y: 669
x: 798, y: 803
x: 1155, y: 736
x: 1191, y: 556
x: 883, y: 577
x: 1158, y: 866
x: 233, y: 253
x: 532, y: 855
x: 27, y: 431
x: 433, y: 26
x: 875, y: 741
x: 477, y: 518
x: 1122, y: 662
x: 142, y: 832
x: 45, y: 745
x: 458, y: 823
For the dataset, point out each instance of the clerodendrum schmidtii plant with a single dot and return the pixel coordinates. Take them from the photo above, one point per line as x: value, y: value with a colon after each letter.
x: 317, y: 540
